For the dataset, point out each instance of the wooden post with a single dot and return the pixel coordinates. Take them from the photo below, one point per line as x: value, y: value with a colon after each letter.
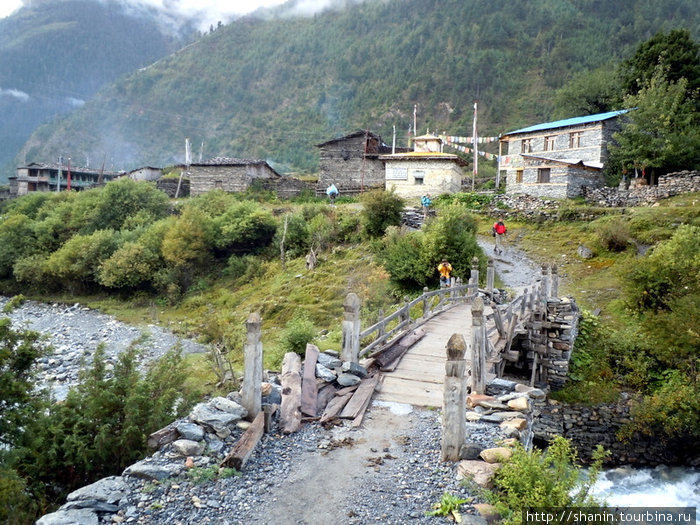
x: 523, y: 304
x: 290, y: 410
x: 478, y: 355
x: 405, y: 312
x: 252, y: 373
x: 490, y: 275
x: 544, y: 284
x: 453, y: 285
x: 426, y: 303
x: 382, y: 325
x: 351, y: 328
x: 555, y: 281
x: 454, y: 425
x: 475, y: 276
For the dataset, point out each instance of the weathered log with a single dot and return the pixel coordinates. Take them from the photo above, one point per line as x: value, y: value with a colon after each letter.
x: 290, y: 414
x: 241, y: 451
x: 162, y: 437
x: 360, y: 399
x: 325, y: 394
x: 454, y: 399
x: 335, y: 406
x: 390, y: 357
x: 309, y: 386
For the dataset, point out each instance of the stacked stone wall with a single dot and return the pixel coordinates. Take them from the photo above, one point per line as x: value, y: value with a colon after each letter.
x: 169, y: 186
x: 589, y: 426
x: 669, y: 185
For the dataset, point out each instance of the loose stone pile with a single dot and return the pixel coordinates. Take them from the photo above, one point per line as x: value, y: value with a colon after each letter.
x: 178, y: 483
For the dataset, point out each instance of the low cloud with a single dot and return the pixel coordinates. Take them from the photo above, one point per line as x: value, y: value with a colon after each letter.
x: 16, y: 93
x: 75, y: 102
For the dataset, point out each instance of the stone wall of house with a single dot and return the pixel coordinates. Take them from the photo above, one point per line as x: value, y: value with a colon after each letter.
x: 437, y: 178
x: 589, y: 426
x: 344, y: 164
x: 226, y: 178
x: 638, y: 195
x: 287, y: 187
x: 169, y: 186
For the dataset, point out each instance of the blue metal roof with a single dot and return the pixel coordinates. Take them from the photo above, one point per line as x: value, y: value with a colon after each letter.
x: 575, y: 121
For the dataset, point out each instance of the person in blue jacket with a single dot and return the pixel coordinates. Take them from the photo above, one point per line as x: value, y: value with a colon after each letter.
x: 332, y: 193
x: 425, y: 202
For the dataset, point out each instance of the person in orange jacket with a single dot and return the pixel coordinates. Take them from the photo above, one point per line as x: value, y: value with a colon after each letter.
x: 445, y: 269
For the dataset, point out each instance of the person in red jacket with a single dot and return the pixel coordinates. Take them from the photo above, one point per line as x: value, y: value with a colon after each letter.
x: 499, y: 231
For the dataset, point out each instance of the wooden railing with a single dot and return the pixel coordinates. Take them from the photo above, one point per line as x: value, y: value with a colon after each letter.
x: 447, y: 297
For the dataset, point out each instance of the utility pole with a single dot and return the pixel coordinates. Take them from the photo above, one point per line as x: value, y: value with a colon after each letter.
x: 187, y: 166
x: 68, y: 176
x: 415, y: 110
x: 58, y: 178
x: 476, y: 149
x: 393, y: 142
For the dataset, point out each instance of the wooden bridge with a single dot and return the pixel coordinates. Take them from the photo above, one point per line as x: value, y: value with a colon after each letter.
x: 408, y: 347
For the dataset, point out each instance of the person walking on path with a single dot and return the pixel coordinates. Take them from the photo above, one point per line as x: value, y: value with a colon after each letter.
x: 425, y: 202
x: 499, y: 231
x: 445, y: 270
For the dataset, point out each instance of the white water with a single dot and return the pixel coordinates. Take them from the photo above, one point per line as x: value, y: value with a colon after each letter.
x: 650, y: 487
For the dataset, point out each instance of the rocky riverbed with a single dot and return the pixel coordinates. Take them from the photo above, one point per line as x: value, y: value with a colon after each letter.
x: 71, y: 333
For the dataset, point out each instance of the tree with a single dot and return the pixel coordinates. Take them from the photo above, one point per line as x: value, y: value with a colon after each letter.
x: 662, y: 131
x: 588, y: 93
x: 381, y: 210
x: 18, y: 352
x: 123, y: 198
x: 676, y: 51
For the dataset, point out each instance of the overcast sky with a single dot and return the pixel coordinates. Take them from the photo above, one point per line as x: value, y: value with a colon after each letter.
x: 215, y: 9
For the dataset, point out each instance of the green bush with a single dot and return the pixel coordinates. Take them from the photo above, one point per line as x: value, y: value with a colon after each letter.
x: 401, y: 254
x: 668, y: 272
x: 17, y: 241
x: 297, y: 333
x: 550, y: 478
x: 244, y: 227
x: 614, y: 235
x: 381, y: 210
x: 124, y: 198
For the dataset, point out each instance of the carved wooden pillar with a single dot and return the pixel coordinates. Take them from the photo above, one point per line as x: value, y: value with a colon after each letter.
x: 454, y: 427
x: 253, y: 363
x: 351, y: 328
x: 490, y: 275
x: 478, y: 354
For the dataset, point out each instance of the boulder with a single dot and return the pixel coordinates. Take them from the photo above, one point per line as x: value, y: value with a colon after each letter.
x: 148, y: 470
x: 329, y: 361
x: 205, y: 414
x: 325, y: 373
x: 518, y: 423
x: 521, y: 404
x: 187, y: 447
x: 496, y: 454
x: 190, y: 431
x: 230, y: 406
x: 347, y: 379
x: 478, y: 471
x: 69, y: 517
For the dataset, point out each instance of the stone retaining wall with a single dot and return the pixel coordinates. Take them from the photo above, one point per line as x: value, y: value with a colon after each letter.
x: 588, y: 426
x: 638, y: 195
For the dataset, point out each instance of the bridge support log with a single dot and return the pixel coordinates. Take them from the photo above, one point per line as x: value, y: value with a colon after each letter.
x: 490, y: 276
x: 454, y: 423
x: 253, y: 365
x: 351, y: 328
x: 478, y: 354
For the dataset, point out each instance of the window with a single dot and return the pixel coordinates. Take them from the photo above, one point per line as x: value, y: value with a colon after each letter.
x: 549, y: 142
x: 219, y: 184
x: 543, y: 174
x: 418, y: 177
x: 519, y: 176
x: 526, y: 146
x: 575, y: 139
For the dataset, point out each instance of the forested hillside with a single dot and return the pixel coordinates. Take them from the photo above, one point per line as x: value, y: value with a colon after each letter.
x: 56, y: 55
x: 273, y: 88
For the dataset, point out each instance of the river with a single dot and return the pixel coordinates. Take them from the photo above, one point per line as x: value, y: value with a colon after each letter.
x: 662, y: 486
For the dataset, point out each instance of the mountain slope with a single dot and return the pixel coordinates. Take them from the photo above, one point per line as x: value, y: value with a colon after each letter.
x: 273, y: 88
x: 55, y: 55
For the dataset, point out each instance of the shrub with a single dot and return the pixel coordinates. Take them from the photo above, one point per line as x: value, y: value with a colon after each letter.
x: 401, y: 254
x: 123, y: 198
x: 297, y: 334
x: 17, y: 241
x: 614, y: 235
x: 381, y: 210
x: 543, y: 479
x: 670, y: 271
x: 245, y: 227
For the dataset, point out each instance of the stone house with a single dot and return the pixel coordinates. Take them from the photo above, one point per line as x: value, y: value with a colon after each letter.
x: 557, y: 159
x: 227, y: 174
x: 352, y: 163
x: 424, y: 170
x: 53, y: 177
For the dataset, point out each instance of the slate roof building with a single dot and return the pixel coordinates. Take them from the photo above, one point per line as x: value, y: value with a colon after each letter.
x: 352, y: 163
x: 556, y: 159
x: 228, y: 174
